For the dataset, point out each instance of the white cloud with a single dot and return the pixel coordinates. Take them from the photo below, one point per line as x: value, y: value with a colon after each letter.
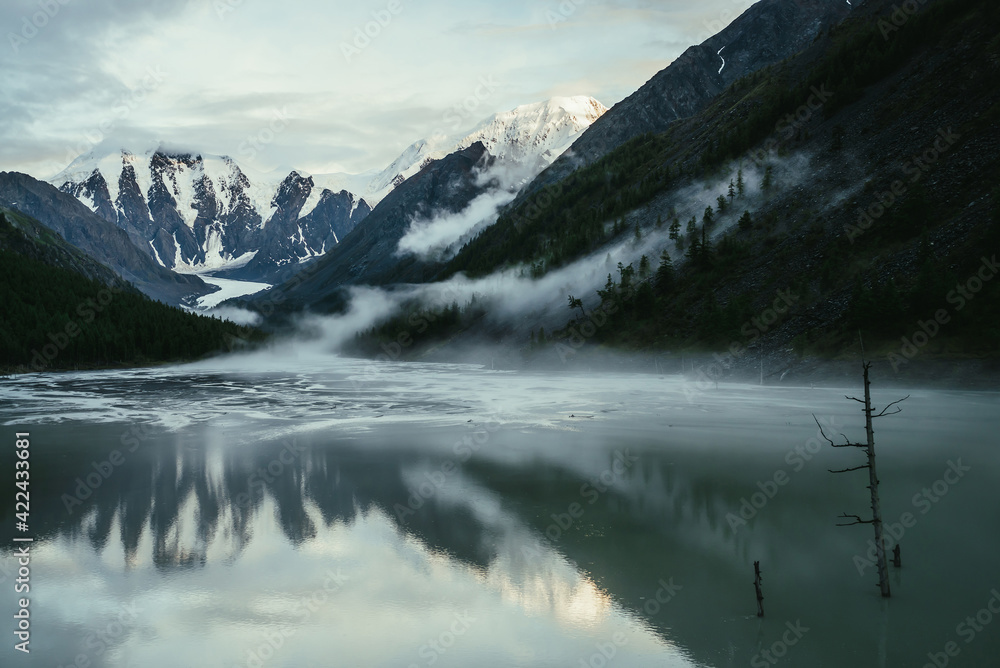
x: 225, y: 75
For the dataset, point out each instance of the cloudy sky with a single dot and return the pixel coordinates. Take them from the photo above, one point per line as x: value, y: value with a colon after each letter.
x: 299, y: 84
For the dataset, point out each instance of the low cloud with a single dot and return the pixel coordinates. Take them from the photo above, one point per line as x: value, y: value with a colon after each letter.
x: 240, y: 316
x: 440, y: 237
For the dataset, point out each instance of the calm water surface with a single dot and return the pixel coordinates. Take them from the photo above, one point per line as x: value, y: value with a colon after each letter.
x: 340, y: 514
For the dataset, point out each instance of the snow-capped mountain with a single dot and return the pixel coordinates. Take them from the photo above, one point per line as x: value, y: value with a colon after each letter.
x: 194, y: 212
x: 532, y: 136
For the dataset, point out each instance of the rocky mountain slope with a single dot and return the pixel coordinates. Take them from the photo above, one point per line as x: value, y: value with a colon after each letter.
x: 768, y: 32
x: 194, y: 212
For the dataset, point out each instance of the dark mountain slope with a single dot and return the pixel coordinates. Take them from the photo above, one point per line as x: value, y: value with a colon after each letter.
x: 874, y: 160
x: 884, y: 212
x: 78, y: 225
x: 64, y: 310
x: 754, y: 117
x: 28, y: 237
x: 766, y: 33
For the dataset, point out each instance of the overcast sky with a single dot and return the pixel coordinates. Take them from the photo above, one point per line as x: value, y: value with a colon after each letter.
x: 209, y: 75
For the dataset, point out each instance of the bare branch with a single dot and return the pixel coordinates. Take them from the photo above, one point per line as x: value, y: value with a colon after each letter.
x: 854, y: 399
x: 823, y: 433
x: 856, y: 468
x: 898, y: 409
x: 847, y: 444
x: 857, y: 520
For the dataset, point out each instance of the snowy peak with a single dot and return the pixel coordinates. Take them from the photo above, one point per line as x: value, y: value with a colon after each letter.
x: 180, y: 172
x: 533, y: 135
x: 196, y: 212
x: 544, y: 130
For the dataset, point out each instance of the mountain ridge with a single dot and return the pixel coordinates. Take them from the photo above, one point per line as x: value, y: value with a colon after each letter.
x: 196, y: 212
x: 766, y: 33
x: 199, y: 212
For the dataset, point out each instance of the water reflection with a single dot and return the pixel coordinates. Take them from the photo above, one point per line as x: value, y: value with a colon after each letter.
x: 189, y: 503
x: 556, y: 542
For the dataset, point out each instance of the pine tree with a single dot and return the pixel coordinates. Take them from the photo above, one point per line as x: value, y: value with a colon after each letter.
x: 768, y: 178
x: 708, y: 218
x: 740, y: 184
x: 644, y: 269
x: 664, y: 273
x: 694, y: 250
x: 745, y: 222
x: 722, y: 204
x: 638, y: 233
x: 609, y: 290
x: 626, y: 273
x: 705, y: 252
x: 675, y: 229
x: 700, y: 252
x: 732, y: 191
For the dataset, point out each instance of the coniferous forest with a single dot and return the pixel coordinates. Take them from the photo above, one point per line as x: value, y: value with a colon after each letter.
x: 53, y: 318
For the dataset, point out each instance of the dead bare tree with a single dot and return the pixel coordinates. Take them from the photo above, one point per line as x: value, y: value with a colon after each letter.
x: 756, y: 585
x: 869, y: 448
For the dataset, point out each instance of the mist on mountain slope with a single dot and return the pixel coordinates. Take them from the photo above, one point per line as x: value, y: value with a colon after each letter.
x: 440, y: 236
x: 515, y: 300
